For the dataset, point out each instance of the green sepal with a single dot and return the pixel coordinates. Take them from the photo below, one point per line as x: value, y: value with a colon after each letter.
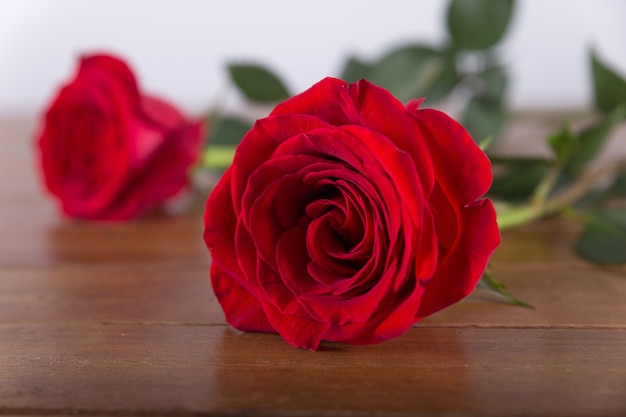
x: 490, y: 282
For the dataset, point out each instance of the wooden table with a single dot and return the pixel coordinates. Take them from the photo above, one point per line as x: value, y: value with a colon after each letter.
x: 119, y: 319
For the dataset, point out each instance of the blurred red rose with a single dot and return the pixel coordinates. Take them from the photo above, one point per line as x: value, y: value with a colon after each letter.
x: 109, y: 152
x: 346, y: 217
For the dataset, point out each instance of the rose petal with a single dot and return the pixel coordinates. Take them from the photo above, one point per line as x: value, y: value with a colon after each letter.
x: 292, y: 258
x: 110, y: 66
x: 241, y: 309
x: 463, y: 170
x: 162, y: 176
x: 329, y: 99
x: 272, y: 290
x: 297, y: 331
x: 273, y: 201
x: 160, y: 113
x: 368, y: 105
x: 459, y: 271
x: 388, y: 324
x: 260, y: 142
x: 384, y: 114
x: 219, y: 226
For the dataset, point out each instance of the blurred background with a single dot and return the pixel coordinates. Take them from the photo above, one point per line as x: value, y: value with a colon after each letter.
x: 180, y: 49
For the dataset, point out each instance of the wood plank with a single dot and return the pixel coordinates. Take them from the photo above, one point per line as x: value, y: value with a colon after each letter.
x: 563, y: 295
x: 173, y: 294
x: 36, y: 235
x: 19, y: 168
x: 548, y: 241
x: 215, y: 371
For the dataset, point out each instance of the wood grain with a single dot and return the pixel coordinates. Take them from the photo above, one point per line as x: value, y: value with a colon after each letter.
x: 214, y: 370
x: 108, y: 293
x: 42, y: 237
x: 119, y: 319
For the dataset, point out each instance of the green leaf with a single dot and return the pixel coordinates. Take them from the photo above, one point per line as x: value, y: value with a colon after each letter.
x: 478, y: 24
x: 495, y: 82
x: 563, y: 143
x: 515, y: 179
x: 483, y: 118
x: 354, y: 70
x: 618, y: 188
x: 609, y: 86
x: 591, y: 199
x: 446, y: 81
x: 258, y: 83
x: 490, y: 282
x: 604, y: 238
x: 597, y: 197
x: 228, y: 131
x: 591, y: 140
x: 408, y: 72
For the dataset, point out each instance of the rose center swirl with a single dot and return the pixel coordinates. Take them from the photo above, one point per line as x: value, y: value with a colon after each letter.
x: 341, y: 235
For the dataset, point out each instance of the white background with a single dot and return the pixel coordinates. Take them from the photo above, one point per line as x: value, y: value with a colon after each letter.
x: 179, y: 49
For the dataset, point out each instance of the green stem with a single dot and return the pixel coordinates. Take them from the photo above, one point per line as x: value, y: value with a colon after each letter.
x: 510, y: 217
x: 539, y: 207
x: 545, y: 187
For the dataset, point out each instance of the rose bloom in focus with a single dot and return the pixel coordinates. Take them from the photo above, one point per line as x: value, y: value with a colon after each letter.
x: 108, y: 152
x: 347, y: 217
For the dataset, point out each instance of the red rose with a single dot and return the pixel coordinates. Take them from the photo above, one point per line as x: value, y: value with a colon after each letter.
x: 107, y: 151
x: 347, y: 217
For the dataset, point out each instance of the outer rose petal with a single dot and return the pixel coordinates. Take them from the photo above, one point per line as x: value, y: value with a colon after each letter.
x: 368, y: 105
x: 110, y: 67
x: 458, y: 273
x: 397, y: 321
x: 462, y: 169
x: 470, y: 234
x: 163, y: 175
x: 220, y: 224
x: 165, y: 145
x: 242, y: 310
x: 298, y: 332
